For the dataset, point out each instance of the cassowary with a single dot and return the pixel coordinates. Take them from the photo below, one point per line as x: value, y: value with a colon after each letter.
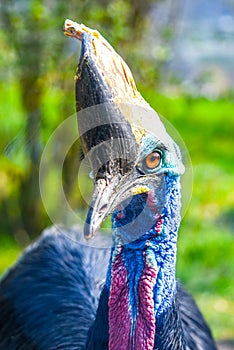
x: 65, y: 295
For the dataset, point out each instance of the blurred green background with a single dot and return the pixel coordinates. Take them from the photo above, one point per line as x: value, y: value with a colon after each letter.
x: 184, y: 73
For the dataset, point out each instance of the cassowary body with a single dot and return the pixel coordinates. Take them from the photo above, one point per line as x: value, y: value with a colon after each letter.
x: 51, y: 299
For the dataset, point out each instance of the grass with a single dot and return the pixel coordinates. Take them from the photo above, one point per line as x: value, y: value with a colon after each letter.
x: 205, y: 248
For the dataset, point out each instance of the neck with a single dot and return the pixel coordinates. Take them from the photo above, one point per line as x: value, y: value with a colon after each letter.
x: 140, y: 283
x: 141, y: 277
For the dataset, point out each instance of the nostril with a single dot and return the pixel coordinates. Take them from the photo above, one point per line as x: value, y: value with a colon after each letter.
x: 103, y: 208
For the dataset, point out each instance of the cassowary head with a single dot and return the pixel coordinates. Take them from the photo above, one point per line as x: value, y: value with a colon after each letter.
x: 136, y: 168
x: 129, y: 151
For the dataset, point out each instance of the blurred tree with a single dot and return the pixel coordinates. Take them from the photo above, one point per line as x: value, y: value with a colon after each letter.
x: 23, y: 23
x: 31, y: 28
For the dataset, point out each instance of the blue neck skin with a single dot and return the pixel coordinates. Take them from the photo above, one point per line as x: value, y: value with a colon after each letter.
x: 156, y: 236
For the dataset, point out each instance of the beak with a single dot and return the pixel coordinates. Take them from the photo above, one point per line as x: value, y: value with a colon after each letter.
x: 107, y: 196
x: 100, y: 206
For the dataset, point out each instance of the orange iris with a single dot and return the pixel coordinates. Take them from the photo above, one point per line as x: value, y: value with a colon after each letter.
x: 153, y: 160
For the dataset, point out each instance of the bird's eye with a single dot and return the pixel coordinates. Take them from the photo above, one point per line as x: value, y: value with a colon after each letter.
x: 152, y: 160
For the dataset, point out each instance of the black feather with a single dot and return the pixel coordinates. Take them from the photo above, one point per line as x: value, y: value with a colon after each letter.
x: 49, y: 299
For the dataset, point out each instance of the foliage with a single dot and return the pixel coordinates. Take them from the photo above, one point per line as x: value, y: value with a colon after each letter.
x: 33, y: 63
